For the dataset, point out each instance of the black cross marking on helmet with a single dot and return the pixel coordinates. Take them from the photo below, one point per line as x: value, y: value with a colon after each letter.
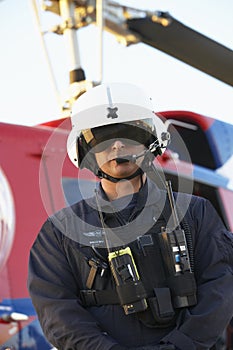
x: 112, y: 112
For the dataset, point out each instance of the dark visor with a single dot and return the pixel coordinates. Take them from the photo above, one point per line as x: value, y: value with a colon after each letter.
x: 138, y: 132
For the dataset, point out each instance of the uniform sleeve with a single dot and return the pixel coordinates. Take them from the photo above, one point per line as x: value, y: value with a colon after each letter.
x: 65, y: 323
x: 200, y: 326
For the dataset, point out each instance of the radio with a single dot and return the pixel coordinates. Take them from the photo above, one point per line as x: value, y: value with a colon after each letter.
x: 129, y: 287
x: 180, y: 277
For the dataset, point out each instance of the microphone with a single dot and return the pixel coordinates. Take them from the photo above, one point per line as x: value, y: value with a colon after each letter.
x: 130, y: 158
x: 125, y: 159
x: 154, y: 148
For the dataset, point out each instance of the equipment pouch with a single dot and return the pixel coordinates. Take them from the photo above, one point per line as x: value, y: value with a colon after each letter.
x: 183, y: 289
x: 160, y: 312
x: 161, y: 305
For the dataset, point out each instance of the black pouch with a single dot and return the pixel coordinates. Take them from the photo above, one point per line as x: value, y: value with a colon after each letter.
x: 161, y: 305
x: 183, y: 289
x: 160, y: 312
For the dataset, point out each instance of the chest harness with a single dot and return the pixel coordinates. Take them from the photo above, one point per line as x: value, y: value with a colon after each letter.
x: 152, y: 277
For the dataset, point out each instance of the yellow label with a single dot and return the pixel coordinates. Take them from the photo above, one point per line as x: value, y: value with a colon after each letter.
x: 87, y: 134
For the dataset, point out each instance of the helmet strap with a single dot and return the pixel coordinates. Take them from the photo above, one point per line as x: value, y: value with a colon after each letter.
x: 102, y: 175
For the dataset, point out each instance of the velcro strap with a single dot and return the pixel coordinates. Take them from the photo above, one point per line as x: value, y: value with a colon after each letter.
x: 92, y: 297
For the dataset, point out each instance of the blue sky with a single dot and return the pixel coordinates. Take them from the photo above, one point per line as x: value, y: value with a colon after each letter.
x: 26, y: 90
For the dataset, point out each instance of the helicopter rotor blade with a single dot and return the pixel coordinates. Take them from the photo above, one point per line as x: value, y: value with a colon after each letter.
x: 187, y: 45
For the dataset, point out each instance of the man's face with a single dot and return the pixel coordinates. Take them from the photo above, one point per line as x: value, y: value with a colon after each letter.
x: 119, y: 148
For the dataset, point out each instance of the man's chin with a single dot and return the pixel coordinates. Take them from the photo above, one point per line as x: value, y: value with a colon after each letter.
x: 122, y: 171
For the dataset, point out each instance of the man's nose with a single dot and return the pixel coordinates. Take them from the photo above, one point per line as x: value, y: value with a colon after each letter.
x: 118, y: 144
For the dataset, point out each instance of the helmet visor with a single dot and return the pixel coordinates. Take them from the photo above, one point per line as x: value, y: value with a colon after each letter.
x: 133, y: 133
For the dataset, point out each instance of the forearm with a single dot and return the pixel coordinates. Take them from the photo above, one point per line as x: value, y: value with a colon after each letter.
x: 200, y: 327
x: 66, y: 324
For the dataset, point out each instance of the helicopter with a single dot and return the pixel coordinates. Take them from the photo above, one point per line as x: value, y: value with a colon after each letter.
x: 37, y: 178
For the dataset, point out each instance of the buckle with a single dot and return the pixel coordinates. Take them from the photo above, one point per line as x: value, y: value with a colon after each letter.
x: 88, y: 297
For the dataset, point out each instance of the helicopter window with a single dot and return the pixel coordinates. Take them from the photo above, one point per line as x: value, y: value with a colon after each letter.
x: 77, y: 189
x: 196, y: 143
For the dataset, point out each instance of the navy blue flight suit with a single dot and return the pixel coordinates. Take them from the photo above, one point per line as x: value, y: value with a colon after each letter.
x: 58, y: 271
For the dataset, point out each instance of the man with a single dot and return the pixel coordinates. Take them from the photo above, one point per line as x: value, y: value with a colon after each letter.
x: 134, y: 266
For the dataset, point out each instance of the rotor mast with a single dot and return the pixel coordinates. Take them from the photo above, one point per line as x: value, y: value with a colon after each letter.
x: 67, y: 9
x: 77, y: 78
x: 78, y: 84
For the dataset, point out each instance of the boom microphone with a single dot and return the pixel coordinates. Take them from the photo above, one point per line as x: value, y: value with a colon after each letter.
x: 130, y: 158
x: 125, y: 159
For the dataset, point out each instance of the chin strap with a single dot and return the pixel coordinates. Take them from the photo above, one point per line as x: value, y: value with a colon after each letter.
x: 102, y: 175
x: 145, y: 166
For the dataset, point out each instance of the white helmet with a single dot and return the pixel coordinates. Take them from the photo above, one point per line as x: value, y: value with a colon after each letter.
x: 109, y: 111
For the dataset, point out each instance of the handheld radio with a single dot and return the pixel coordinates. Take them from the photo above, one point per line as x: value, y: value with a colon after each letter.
x: 129, y: 287
x: 175, y: 253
